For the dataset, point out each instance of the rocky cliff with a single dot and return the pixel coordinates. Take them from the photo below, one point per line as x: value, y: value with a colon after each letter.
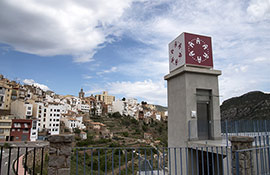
x: 250, y: 106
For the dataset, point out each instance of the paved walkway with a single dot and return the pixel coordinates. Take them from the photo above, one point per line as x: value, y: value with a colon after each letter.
x: 21, y: 168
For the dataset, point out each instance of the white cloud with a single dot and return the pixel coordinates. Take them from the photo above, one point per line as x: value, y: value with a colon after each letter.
x: 47, y: 28
x: 240, y: 33
x: 113, y: 69
x: 152, y: 92
x: 32, y: 82
x: 87, y: 76
x: 240, y: 44
x: 259, y: 9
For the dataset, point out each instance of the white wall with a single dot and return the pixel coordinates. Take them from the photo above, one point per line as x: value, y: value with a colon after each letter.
x: 118, y: 106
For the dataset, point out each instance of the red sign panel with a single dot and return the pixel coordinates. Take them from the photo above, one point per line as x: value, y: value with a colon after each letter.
x: 198, y: 50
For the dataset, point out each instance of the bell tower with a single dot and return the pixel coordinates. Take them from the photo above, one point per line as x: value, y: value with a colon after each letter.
x: 81, y: 93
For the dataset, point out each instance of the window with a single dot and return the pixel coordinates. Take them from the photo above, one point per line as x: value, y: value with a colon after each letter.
x: 29, y: 108
x: 39, y: 124
x: 44, y: 119
x: 28, y: 112
x: 34, y: 133
x: 16, y: 125
x: 50, y: 114
x: 1, y: 131
x: 57, y: 120
x: 44, y: 110
x: 50, y: 120
x: 57, y: 124
x: 26, y: 125
x: 17, y: 138
x: 58, y: 110
x: 4, y: 124
x: 13, y: 130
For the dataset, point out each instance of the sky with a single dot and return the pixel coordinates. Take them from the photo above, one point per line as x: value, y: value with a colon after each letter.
x: 122, y: 45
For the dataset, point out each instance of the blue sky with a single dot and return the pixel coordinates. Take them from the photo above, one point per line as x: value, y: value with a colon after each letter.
x: 122, y: 45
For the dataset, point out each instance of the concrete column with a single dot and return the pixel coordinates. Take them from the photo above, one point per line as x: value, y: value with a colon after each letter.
x: 59, y: 154
x: 244, y: 158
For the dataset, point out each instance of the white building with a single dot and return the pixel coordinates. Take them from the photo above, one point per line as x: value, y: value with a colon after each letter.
x: 74, y: 122
x: 158, y: 117
x: 53, y: 115
x: 109, y: 109
x: 118, y: 106
x: 131, y: 101
x: 84, y: 108
x: 34, y: 130
x: 99, y: 108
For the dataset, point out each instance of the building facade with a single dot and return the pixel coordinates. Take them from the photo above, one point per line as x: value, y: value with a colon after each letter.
x: 104, y: 97
x: 20, y: 130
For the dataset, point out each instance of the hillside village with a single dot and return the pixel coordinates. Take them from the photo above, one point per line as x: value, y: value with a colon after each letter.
x: 29, y: 113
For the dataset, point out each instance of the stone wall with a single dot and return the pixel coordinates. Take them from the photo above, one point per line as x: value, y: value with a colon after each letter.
x: 59, y: 154
x: 38, y: 157
x: 244, y: 159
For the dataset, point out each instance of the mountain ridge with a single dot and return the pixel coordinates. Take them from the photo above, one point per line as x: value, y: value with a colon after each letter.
x: 254, y: 105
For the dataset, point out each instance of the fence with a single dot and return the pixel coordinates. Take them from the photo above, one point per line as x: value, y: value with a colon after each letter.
x: 205, y: 160
x: 21, y: 160
x: 253, y: 161
x: 151, y: 161
x: 260, y: 129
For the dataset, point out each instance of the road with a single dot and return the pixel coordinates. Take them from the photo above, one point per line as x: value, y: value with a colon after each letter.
x: 14, y: 154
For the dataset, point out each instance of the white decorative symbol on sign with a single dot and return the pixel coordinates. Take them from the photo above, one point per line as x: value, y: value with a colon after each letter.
x: 198, y: 50
x: 176, y: 53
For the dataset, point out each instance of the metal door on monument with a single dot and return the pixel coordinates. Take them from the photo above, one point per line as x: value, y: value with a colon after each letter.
x: 203, y: 120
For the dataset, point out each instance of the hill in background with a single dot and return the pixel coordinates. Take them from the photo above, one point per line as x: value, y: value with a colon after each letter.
x: 253, y: 105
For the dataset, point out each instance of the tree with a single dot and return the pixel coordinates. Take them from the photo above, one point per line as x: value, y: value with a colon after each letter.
x: 77, y: 131
x: 116, y: 115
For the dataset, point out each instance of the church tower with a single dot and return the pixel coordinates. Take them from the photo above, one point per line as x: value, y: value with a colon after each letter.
x: 81, y: 93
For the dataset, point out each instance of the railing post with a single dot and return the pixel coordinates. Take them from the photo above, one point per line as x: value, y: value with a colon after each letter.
x: 226, y: 127
x: 239, y: 159
x: 237, y: 162
x: 59, y: 154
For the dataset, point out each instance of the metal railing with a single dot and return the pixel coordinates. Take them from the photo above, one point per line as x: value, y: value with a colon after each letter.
x: 204, y: 130
x: 246, y: 127
x: 253, y: 161
x: 151, y: 161
x: 22, y: 160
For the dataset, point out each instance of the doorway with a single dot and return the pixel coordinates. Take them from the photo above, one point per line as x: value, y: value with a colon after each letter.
x: 204, y: 114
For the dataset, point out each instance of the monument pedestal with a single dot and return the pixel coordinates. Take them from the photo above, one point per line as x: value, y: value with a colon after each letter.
x: 193, y: 105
